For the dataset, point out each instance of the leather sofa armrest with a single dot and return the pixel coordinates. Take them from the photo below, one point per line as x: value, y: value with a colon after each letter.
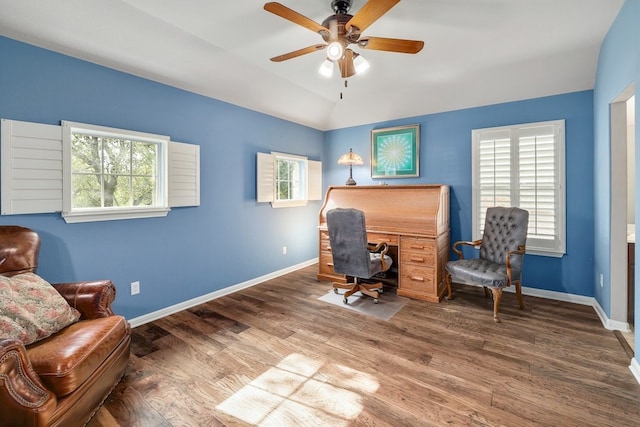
x: 23, y: 398
x: 91, y: 299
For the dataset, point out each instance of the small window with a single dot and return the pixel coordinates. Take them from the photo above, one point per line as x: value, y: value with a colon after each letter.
x: 290, y: 179
x: 287, y: 180
x: 523, y: 166
x: 113, y: 173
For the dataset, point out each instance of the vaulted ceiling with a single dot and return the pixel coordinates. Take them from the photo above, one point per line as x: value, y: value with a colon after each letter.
x: 477, y: 52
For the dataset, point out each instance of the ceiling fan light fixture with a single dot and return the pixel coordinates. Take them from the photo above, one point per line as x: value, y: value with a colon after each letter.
x: 335, y: 50
x: 326, y: 68
x: 360, y: 64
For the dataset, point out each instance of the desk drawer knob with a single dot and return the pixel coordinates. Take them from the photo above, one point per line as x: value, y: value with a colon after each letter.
x: 416, y: 259
x: 417, y: 279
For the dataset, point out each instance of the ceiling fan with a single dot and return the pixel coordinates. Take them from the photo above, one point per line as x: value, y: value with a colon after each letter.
x: 341, y: 30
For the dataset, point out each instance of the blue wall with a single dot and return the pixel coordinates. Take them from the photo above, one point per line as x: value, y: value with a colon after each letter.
x: 229, y: 238
x: 618, y: 67
x: 445, y: 157
x: 193, y: 251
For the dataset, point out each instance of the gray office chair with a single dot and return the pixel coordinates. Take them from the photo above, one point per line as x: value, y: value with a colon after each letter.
x: 353, y: 256
x: 501, y: 256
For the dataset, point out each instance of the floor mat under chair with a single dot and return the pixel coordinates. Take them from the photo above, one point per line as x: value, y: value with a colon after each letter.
x: 388, y: 303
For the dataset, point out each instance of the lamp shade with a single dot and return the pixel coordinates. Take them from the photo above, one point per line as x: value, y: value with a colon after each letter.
x: 326, y: 68
x: 350, y: 158
x: 361, y: 65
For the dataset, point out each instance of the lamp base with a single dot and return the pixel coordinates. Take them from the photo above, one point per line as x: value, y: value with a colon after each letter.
x: 350, y: 181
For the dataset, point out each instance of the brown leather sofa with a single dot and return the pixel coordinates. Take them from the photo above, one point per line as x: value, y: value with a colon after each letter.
x: 61, y: 380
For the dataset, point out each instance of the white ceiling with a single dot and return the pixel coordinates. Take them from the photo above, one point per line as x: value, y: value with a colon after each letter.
x: 477, y: 52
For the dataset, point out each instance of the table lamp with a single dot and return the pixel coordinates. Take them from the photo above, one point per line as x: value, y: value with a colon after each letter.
x: 350, y: 159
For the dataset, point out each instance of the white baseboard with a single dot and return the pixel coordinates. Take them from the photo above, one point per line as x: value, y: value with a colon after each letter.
x: 150, y: 317
x: 635, y: 369
x: 613, y: 325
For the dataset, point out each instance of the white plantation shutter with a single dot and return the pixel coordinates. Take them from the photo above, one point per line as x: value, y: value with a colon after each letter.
x: 31, y: 167
x: 265, y: 177
x: 538, y: 178
x: 184, y: 174
x: 314, y: 187
x: 522, y: 166
x: 494, y: 171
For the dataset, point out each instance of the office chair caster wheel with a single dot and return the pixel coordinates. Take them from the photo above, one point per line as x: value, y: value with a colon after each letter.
x: 344, y: 300
x: 335, y: 290
x: 375, y: 300
x: 380, y: 290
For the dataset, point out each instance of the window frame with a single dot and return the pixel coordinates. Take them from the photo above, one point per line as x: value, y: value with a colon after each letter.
x: 555, y: 247
x: 73, y: 215
x: 302, y: 180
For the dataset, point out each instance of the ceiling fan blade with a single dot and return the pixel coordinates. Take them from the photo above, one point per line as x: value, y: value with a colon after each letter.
x: 369, y: 13
x: 298, y: 52
x: 391, y: 45
x: 345, y: 63
x: 293, y: 16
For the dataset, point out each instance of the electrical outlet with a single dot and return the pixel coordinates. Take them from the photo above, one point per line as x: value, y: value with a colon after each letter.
x: 284, y: 250
x: 135, y: 288
x: 601, y: 280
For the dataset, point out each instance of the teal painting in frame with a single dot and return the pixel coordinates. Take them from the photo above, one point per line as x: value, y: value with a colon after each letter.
x: 395, y: 152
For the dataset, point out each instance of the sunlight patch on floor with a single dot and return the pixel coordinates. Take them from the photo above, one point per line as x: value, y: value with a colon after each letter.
x: 296, y: 392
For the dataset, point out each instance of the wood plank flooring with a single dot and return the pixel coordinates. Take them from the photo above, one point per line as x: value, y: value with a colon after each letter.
x: 273, y: 355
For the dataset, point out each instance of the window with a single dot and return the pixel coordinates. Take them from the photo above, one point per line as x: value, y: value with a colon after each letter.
x: 38, y: 172
x: 523, y: 166
x: 113, y: 173
x: 287, y: 180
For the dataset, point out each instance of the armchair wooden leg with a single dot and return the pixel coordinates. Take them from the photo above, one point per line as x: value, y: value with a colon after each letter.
x: 447, y: 278
x: 519, y: 295
x: 497, y: 296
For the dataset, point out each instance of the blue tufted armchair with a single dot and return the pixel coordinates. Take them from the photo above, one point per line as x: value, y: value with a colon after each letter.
x: 501, y: 255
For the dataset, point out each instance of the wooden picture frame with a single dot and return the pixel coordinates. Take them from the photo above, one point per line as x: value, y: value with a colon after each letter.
x: 395, y: 152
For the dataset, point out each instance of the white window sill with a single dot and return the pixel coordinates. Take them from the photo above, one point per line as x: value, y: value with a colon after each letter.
x: 107, y: 214
x: 288, y: 203
x: 545, y: 252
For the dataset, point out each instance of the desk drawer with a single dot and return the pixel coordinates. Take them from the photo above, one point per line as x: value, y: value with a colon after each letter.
x: 418, y: 244
x: 325, y: 263
x: 390, y: 239
x: 325, y: 245
x: 418, y: 258
x: 417, y: 279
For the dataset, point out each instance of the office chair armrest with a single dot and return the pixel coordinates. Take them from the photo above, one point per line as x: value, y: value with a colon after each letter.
x: 459, y: 251
x: 383, y: 248
x: 520, y: 251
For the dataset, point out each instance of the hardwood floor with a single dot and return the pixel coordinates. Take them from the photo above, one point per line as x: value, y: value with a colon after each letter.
x: 273, y: 355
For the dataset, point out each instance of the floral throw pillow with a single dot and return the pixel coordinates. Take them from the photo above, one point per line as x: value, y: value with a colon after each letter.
x: 31, y: 309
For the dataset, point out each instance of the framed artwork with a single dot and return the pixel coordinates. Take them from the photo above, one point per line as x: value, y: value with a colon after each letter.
x: 395, y: 152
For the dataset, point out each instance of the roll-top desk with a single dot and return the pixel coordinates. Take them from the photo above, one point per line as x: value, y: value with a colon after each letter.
x: 412, y: 218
